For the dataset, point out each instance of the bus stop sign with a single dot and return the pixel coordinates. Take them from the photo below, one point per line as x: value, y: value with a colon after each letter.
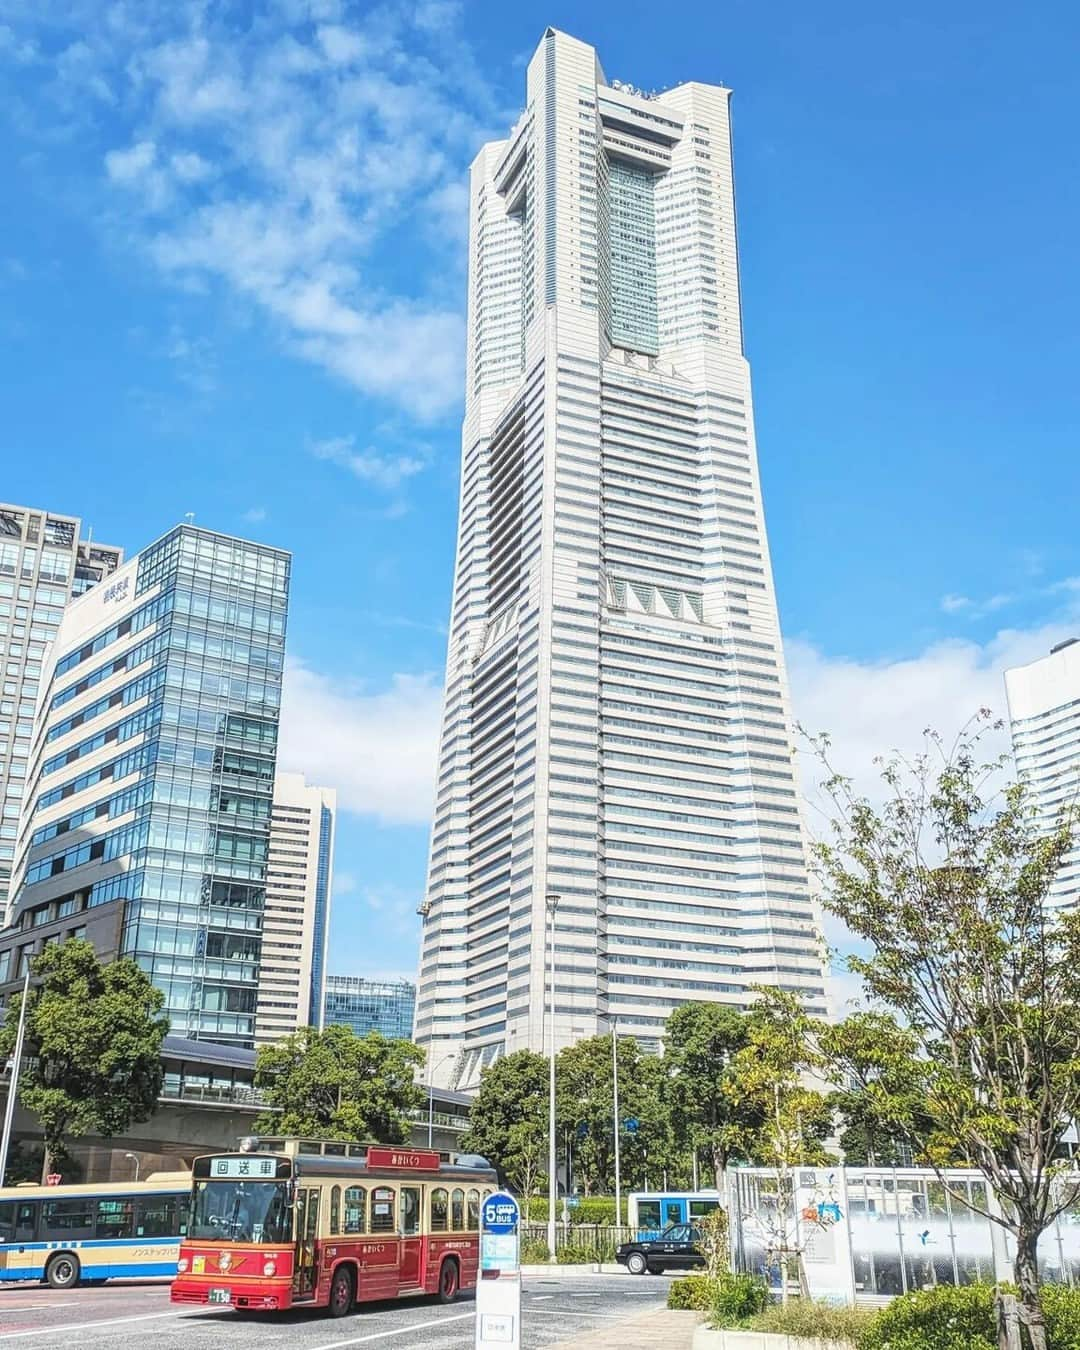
x: 498, y: 1291
x: 501, y: 1214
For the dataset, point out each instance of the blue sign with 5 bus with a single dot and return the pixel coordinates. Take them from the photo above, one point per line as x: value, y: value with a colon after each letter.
x: 500, y: 1213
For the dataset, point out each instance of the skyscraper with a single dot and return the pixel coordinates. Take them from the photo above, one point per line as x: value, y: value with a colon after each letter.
x: 296, y: 920
x: 370, y: 1005
x: 43, y: 562
x: 1044, y: 712
x: 616, y: 727
x: 146, y: 819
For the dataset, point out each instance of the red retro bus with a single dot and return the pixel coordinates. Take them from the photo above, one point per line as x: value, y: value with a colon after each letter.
x: 286, y: 1223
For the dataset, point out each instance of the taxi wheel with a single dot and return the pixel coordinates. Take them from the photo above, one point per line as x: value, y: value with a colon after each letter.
x: 636, y: 1264
x: 448, y: 1281
x: 342, y: 1293
x: 62, y: 1272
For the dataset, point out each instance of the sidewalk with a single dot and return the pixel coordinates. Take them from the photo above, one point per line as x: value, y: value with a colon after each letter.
x: 660, y: 1329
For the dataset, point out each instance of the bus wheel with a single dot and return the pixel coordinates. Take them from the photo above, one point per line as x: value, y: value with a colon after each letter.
x: 342, y: 1293
x: 448, y: 1281
x: 62, y: 1272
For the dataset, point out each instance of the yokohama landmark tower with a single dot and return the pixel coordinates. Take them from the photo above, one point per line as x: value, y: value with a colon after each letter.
x: 616, y: 729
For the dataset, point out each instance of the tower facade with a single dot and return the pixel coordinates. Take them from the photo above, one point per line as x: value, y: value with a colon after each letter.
x: 146, y: 821
x: 44, y: 561
x: 616, y: 728
x: 296, y: 920
x: 1044, y: 715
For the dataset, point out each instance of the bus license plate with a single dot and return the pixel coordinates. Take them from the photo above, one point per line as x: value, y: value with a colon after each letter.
x: 219, y: 1296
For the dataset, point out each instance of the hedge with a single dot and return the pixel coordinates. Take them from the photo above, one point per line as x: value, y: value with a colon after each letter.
x: 590, y: 1209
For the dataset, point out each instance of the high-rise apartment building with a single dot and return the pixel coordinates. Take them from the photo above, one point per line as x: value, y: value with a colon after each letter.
x: 296, y: 920
x: 1044, y: 712
x: 146, y: 817
x: 44, y: 561
x: 370, y: 1005
x: 616, y: 728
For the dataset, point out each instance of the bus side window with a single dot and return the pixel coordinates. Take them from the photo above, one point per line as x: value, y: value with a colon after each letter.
x: 67, y: 1220
x: 458, y: 1210
x: 439, y: 1210
x: 115, y: 1218
x: 648, y: 1214
x: 355, y: 1209
x: 383, y: 1219
x: 156, y: 1216
x: 26, y: 1220
x: 474, y: 1209
x: 7, y: 1220
x: 335, y: 1210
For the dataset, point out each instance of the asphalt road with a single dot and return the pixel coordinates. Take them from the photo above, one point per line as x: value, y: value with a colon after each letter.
x: 120, y: 1315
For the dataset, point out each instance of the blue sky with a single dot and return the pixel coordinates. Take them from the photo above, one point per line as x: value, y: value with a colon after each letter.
x: 232, y: 280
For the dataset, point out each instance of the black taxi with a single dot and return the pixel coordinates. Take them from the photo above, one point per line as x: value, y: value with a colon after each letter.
x: 676, y: 1248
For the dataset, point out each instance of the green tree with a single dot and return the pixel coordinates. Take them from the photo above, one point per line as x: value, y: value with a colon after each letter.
x: 94, y: 1034
x: 584, y: 1077
x: 701, y: 1041
x: 772, y: 1074
x: 508, y: 1120
x: 951, y: 893
x: 333, y: 1084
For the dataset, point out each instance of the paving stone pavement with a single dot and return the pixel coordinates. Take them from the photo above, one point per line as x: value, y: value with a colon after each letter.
x: 660, y: 1329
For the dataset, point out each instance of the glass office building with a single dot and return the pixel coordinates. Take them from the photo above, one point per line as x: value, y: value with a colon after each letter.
x: 370, y: 1005
x: 147, y: 812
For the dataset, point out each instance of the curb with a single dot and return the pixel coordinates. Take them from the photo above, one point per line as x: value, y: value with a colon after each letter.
x: 553, y: 1268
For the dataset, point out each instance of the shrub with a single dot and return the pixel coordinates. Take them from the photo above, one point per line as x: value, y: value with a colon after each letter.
x: 590, y: 1209
x: 534, y: 1252
x: 943, y: 1318
x: 1062, y: 1309
x: 693, y: 1291
x: 737, y: 1298
x: 572, y: 1255
x: 822, y: 1321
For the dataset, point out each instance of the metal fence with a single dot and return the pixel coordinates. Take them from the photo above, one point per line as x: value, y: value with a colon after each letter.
x: 583, y: 1241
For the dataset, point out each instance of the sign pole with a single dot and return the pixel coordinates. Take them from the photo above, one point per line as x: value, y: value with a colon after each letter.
x: 13, y: 1081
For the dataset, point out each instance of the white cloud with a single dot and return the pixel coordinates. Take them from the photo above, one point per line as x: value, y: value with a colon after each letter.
x: 289, y: 155
x: 128, y: 166
x: 378, y: 748
x: 254, y: 515
x: 370, y: 466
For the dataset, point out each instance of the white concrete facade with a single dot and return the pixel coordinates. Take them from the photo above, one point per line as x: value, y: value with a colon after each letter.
x: 296, y: 918
x: 1044, y: 713
x: 616, y: 727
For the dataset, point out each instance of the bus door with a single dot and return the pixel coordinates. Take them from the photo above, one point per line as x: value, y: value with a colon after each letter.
x: 674, y: 1212
x: 307, y: 1227
x: 411, y: 1241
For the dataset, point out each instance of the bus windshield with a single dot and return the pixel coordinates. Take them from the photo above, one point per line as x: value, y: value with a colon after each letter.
x: 241, y: 1211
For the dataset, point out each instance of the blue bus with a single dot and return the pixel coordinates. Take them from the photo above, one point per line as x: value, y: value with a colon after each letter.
x: 650, y: 1212
x: 64, y: 1235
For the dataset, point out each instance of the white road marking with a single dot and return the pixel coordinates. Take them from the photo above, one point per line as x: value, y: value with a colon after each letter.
x: 399, y: 1331
x: 90, y: 1326
x: 561, y: 1312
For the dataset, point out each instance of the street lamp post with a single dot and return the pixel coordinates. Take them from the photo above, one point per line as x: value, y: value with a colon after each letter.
x: 135, y: 1161
x: 431, y: 1096
x: 615, y: 1093
x: 552, y: 902
x: 13, y: 1081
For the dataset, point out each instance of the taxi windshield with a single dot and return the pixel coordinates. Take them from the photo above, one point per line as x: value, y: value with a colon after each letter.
x: 241, y: 1211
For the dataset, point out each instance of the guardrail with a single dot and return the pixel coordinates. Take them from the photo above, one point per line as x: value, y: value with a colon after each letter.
x: 216, y: 1095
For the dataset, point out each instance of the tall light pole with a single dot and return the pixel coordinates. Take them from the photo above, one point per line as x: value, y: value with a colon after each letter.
x: 13, y: 1081
x: 552, y: 902
x: 615, y: 1085
x: 135, y: 1161
x: 432, y: 1070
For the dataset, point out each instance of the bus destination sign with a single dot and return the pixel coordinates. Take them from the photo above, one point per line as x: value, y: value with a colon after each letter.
x: 404, y: 1159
